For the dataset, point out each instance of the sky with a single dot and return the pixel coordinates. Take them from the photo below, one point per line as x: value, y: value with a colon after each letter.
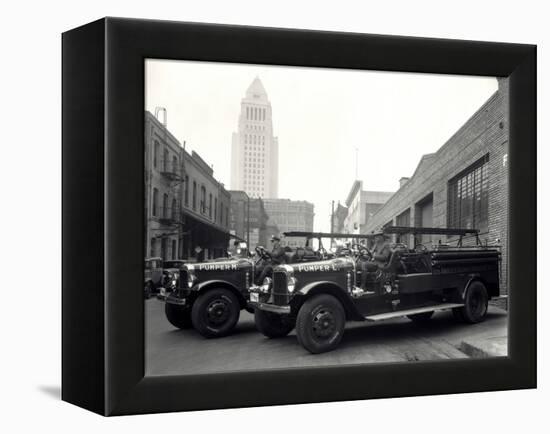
x: 333, y: 125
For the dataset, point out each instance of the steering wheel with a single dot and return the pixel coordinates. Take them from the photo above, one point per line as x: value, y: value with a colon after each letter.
x: 420, y: 248
x: 262, y: 253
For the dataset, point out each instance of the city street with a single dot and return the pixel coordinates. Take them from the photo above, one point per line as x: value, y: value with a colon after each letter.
x: 170, y: 351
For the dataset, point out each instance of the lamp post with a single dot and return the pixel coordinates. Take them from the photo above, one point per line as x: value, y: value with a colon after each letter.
x: 248, y: 221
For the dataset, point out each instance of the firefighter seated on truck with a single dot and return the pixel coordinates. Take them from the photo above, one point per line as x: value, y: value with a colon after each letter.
x: 277, y: 257
x: 380, y: 257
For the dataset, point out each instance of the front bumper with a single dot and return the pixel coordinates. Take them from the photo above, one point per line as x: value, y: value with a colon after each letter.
x: 269, y: 307
x: 173, y: 299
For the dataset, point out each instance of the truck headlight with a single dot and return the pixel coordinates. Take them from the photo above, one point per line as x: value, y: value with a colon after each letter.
x: 266, y: 285
x: 190, y: 279
x: 291, y: 284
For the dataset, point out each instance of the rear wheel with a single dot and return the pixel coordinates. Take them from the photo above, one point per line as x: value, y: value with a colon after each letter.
x: 320, y: 323
x: 178, y: 316
x: 421, y: 318
x: 273, y: 325
x: 215, y: 313
x: 476, y: 303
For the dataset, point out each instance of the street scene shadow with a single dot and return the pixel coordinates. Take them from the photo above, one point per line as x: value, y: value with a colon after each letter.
x: 51, y: 391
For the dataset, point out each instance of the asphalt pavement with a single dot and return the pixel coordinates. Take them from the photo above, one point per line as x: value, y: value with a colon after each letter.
x: 170, y: 351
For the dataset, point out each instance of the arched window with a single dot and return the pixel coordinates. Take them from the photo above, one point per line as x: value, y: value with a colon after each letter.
x: 174, y: 209
x: 165, y: 160
x: 203, y: 199
x: 165, y: 205
x: 155, y: 201
x: 194, y: 195
x: 153, y: 247
x: 210, y: 205
x: 175, y: 164
x: 174, y: 251
x: 156, y: 153
x: 215, y: 209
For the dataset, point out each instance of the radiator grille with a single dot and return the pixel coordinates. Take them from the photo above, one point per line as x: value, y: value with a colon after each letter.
x: 280, y: 292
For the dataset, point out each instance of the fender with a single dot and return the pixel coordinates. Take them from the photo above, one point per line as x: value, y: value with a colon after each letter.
x: 332, y: 288
x: 472, y: 278
x: 222, y: 283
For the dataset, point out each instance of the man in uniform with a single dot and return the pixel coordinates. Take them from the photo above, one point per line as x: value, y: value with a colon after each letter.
x: 380, y: 257
x: 277, y: 257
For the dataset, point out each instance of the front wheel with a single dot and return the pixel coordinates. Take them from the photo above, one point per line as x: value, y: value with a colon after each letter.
x: 178, y: 316
x: 215, y: 313
x: 320, y: 323
x: 273, y: 325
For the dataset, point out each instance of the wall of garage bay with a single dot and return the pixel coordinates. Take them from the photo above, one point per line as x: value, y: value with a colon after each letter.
x: 425, y: 198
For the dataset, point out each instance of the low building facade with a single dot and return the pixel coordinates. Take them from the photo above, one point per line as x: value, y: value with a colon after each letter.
x: 464, y: 184
x: 248, y: 219
x: 290, y: 215
x: 361, y: 206
x: 186, y: 208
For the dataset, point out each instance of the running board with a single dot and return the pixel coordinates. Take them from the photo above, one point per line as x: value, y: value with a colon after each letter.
x: 398, y: 313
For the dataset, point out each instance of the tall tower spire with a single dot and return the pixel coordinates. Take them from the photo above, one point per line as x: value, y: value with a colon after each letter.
x: 254, y: 149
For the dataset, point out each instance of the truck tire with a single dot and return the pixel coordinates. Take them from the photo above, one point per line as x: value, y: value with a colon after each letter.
x: 215, y: 313
x: 476, y: 302
x: 273, y: 325
x: 421, y: 318
x: 178, y: 316
x: 320, y: 323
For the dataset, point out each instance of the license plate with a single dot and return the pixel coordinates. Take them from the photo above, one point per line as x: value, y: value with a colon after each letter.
x: 254, y: 297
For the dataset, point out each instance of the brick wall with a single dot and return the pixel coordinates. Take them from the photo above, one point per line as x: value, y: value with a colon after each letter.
x: 485, y: 133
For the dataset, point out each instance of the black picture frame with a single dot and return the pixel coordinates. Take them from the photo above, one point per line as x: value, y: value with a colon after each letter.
x: 103, y: 220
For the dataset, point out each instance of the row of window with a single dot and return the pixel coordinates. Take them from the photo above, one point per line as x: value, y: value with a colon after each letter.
x: 467, y: 202
x: 253, y: 139
x: 255, y: 113
x: 208, y: 204
x: 166, y: 164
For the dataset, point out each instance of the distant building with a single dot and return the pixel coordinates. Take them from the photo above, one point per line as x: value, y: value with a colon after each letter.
x: 186, y: 208
x: 361, y: 206
x: 254, y: 149
x: 290, y: 215
x: 464, y: 184
x: 248, y: 219
x: 339, y: 218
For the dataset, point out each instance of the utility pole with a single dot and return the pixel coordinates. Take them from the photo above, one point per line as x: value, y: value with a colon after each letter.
x: 248, y: 221
x: 332, y: 224
x: 356, y: 162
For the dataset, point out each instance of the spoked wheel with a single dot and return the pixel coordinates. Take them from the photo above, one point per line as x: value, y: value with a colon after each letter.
x: 215, y: 313
x: 273, y: 325
x: 476, y: 303
x: 178, y: 316
x: 320, y: 323
x: 421, y: 318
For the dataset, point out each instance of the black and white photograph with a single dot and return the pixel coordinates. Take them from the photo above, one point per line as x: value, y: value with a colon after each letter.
x: 305, y: 217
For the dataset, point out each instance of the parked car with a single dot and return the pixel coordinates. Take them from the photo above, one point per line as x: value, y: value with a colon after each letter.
x: 317, y: 298
x: 211, y: 295
x: 153, y: 276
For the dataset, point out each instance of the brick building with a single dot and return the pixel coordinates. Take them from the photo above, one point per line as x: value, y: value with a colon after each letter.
x: 290, y: 215
x: 464, y: 184
x: 248, y: 219
x: 186, y: 208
